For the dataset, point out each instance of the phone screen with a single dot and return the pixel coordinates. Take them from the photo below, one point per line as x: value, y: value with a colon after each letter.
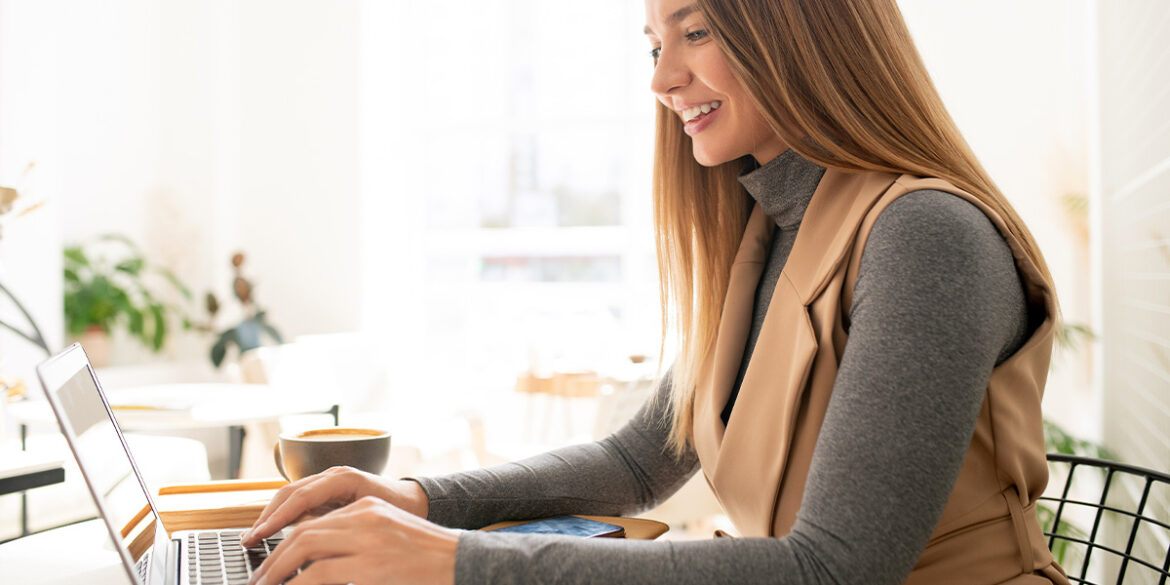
x: 566, y: 525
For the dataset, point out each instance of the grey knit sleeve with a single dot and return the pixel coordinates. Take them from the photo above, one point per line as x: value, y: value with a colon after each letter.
x: 626, y: 473
x: 937, y: 304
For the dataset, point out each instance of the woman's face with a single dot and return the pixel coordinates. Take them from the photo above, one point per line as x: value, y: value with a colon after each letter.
x: 692, y: 79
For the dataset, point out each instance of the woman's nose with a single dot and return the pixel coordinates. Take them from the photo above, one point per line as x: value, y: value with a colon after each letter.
x: 670, y: 73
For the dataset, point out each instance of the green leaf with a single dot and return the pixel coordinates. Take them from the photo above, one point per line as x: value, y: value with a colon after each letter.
x: 160, y: 327
x: 1069, y: 336
x: 175, y: 282
x: 132, y: 266
x: 71, y: 276
x: 100, y: 284
x: 272, y: 331
x: 75, y: 255
x: 1061, y: 549
x: 219, y: 350
x: 137, y: 322
x: 1059, y: 440
x: 121, y: 239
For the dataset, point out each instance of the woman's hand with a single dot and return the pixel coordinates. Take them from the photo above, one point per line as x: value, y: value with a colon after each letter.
x: 368, y: 541
x: 329, y: 490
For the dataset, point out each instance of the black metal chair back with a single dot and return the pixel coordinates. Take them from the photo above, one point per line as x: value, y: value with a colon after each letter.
x: 1110, y: 523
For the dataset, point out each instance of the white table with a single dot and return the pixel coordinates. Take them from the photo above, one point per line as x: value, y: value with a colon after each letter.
x: 79, y: 553
x: 21, y: 471
x: 171, y: 406
x: 161, y: 407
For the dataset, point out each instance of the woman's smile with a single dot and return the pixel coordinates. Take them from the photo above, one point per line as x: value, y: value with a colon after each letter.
x: 697, y: 118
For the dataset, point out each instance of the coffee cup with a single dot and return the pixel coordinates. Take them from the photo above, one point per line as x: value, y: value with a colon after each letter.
x: 299, y: 455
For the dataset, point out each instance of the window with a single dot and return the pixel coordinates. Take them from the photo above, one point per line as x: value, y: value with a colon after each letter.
x: 506, y: 188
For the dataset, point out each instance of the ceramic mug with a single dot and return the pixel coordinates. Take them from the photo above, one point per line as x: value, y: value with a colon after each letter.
x: 299, y: 455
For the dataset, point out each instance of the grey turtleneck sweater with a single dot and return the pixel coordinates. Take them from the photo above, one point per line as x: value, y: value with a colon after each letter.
x: 937, y: 304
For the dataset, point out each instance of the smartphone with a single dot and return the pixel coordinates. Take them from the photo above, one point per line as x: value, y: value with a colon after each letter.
x: 567, y: 525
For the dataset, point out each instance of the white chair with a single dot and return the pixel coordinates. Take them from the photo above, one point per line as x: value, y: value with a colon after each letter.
x: 162, y: 461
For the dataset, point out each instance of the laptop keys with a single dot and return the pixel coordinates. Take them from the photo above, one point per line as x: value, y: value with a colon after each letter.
x: 192, y: 573
x: 217, y: 558
x: 256, y: 556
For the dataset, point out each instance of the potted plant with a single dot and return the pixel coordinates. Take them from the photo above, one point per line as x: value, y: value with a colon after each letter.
x: 254, y: 327
x: 110, y: 285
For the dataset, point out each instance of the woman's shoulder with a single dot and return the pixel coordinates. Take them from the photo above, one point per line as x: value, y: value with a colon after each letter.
x: 936, y: 235
x: 935, y: 222
x: 932, y: 253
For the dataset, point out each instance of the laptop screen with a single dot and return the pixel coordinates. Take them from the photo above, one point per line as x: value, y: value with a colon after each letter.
x: 103, y: 460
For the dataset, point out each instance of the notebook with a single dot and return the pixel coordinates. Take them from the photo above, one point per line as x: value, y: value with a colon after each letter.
x: 123, y: 499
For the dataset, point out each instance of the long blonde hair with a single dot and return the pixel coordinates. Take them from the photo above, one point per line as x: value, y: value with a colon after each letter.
x: 841, y: 82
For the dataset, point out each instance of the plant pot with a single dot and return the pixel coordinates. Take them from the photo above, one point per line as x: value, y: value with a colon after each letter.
x: 96, y: 343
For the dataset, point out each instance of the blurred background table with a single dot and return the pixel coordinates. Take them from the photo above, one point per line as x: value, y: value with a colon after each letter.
x: 21, y: 471
x: 171, y: 407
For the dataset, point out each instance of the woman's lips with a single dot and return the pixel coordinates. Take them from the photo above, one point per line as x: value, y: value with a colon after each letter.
x: 699, y: 124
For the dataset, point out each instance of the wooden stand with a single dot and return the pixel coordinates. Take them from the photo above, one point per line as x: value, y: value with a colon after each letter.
x: 216, y: 504
x: 238, y: 503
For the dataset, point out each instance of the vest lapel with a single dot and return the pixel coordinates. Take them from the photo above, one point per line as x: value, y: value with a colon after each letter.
x: 745, y: 461
x: 731, y: 339
x: 829, y: 227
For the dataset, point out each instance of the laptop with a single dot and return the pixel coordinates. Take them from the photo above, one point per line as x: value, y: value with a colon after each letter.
x: 124, y: 501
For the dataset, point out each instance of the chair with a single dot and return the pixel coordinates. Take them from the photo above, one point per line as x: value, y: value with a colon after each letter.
x: 1110, y: 523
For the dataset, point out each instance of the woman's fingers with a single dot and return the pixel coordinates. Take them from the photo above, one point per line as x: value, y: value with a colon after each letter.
x: 260, y: 528
x: 335, y: 486
x: 328, y: 571
x: 370, y: 541
x: 306, y: 543
x: 251, y: 536
x: 342, y: 533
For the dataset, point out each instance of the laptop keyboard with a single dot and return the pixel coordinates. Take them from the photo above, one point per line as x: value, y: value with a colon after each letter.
x: 143, y: 568
x: 217, y: 558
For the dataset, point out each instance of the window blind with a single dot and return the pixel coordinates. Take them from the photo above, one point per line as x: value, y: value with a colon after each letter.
x: 1133, y: 201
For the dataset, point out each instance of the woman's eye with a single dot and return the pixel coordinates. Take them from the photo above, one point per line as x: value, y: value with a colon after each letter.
x: 696, y: 35
x: 655, y: 53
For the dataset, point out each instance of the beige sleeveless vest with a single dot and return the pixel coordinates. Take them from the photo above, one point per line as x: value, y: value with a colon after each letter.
x: 988, y: 532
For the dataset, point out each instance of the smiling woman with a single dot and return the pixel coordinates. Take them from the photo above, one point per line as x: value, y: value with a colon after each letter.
x: 693, y: 79
x: 864, y: 327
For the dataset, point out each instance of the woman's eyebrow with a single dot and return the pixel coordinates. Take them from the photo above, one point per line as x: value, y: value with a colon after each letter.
x: 675, y: 17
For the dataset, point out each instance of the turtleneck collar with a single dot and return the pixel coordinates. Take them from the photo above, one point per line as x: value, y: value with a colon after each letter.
x: 784, y: 186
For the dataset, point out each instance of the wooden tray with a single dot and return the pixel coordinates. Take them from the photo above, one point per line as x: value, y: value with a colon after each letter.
x: 238, y: 503
x: 215, y: 504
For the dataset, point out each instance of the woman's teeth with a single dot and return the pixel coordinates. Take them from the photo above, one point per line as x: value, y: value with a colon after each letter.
x: 691, y: 114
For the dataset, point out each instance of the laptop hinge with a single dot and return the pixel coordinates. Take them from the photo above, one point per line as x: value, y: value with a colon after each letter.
x: 173, y: 563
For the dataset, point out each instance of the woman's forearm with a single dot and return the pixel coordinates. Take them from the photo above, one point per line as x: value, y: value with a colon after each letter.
x: 622, y: 474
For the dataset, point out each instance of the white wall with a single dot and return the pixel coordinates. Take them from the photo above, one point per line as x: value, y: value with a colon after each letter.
x: 1015, y: 77
x: 30, y: 263
x: 197, y: 129
x: 300, y: 205
x: 260, y: 154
